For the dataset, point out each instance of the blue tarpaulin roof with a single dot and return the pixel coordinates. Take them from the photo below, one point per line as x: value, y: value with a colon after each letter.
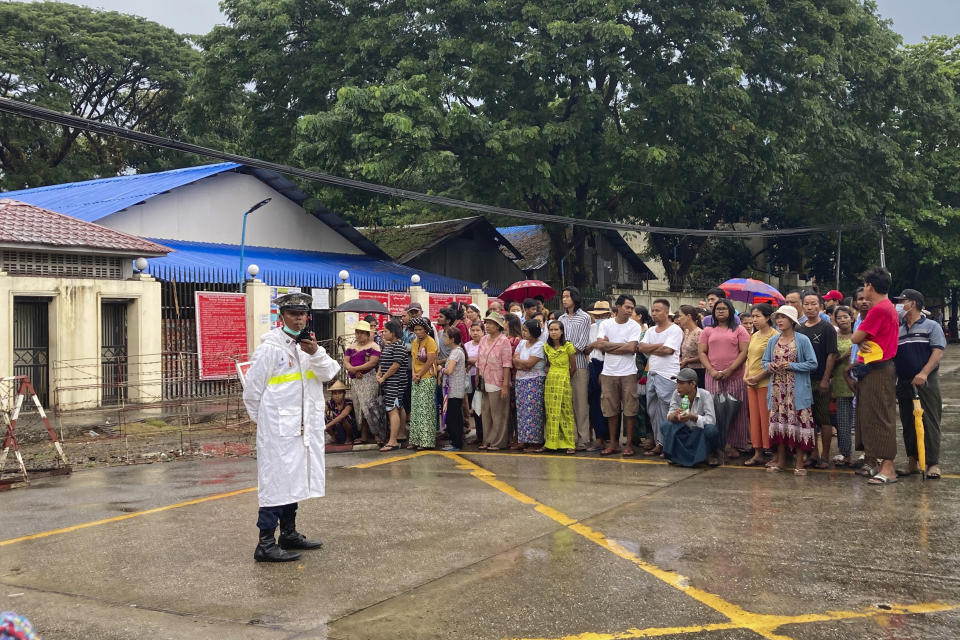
x: 91, y: 200
x: 209, y: 262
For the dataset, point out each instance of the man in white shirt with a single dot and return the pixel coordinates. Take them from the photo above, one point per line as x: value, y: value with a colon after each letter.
x: 661, y: 343
x: 601, y: 311
x: 617, y: 338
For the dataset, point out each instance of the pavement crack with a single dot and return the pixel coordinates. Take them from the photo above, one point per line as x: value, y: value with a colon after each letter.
x: 130, y: 604
x: 598, y: 514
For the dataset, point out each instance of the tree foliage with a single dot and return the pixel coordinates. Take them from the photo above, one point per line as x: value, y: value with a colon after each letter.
x: 105, y: 66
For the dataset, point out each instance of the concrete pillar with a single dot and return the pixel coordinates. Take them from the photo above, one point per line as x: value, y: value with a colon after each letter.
x: 480, y: 299
x: 144, y: 341
x: 258, y: 313
x: 6, y: 325
x: 421, y: 295
x: 344, y: 323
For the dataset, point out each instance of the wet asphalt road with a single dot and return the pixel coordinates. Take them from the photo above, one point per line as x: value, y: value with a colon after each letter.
x: 493, y: 546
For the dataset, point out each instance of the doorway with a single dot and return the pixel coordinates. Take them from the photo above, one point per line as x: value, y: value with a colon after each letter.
x: 31, y: 344
x: 113, y: 352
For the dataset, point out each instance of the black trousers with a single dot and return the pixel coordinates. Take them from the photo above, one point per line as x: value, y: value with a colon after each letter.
x: 455, y: 421
x: 269, y: 517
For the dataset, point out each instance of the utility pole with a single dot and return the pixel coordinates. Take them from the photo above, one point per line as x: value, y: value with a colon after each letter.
x: 883, y: 231
x: 839, y: 242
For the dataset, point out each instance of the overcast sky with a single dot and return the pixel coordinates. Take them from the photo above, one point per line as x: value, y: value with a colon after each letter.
x: 911, y: 18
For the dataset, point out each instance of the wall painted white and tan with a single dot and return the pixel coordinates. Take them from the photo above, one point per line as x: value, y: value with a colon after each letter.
x: 75, y: 334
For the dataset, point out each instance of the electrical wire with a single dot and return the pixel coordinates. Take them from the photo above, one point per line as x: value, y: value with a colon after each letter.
x: 23, y: 109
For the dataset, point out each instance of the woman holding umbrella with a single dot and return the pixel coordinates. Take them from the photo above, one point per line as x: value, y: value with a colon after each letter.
x: 723, y: 350
x: 360, y: 360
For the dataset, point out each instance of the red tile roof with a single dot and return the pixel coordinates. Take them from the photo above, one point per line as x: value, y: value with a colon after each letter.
x: 25, y: 224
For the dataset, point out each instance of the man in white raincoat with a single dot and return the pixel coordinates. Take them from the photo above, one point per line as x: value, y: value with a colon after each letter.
x: 283, y: 393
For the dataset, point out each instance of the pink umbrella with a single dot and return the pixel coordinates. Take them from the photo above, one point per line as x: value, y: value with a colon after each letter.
x: 528, y: 289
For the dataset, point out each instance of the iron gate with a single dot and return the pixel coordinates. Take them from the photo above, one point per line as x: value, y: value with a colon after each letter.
x: 31, y: 344
x: 113, y: 352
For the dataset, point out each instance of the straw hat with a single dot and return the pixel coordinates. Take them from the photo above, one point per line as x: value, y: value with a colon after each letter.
x: 362, y: 325
x: 788, y: 311
x: 600, y: 307
x: 497, y: 319
x: 337, y: 386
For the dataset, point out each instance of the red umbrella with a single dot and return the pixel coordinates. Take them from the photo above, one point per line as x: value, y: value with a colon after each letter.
x: 751, y: 291
x: 527, y: 289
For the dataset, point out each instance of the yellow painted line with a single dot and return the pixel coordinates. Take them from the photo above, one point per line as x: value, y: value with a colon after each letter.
x: 127, y: 516
x: 391, y: 459
x: 765, y: 625
x: 763, y: 630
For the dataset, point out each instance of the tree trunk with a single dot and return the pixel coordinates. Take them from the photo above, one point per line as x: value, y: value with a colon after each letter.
x: 677, y: 254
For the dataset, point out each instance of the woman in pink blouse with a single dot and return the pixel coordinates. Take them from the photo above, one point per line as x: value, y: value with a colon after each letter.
x: 723, y: 350
x: 494, y: 361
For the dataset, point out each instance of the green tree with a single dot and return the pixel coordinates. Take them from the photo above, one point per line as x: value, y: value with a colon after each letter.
x: 105, y: 66
x: 681, y: 114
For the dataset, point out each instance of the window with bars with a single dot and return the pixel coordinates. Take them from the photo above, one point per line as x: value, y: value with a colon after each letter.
x: 60, y: 265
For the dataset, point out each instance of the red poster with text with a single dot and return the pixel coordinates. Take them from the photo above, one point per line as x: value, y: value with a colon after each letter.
x: 383, y: 298
x: 221, y: 333
x: 398, y: 303
x: 438, y: 301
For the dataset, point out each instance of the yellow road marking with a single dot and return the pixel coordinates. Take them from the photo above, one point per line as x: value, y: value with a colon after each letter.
x: 127, y: 516
x: 582, y: 458
x: 765, y: 625
x: 769, y: 632
x: 377, y: 463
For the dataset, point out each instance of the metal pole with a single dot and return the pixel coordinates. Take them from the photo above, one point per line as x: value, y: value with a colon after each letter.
x: 839, y: 243
x: 243, y: 235
x: 883, y: 231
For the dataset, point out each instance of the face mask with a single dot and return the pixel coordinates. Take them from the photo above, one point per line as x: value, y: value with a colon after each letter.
x: 899, y: 309
x: 290, y: 332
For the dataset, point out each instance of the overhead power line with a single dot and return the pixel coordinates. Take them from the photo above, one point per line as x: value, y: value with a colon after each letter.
x: 24, y: 109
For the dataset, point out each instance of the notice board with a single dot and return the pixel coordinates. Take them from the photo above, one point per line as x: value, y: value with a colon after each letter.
x: 221, y: 333
x: 395, y: 302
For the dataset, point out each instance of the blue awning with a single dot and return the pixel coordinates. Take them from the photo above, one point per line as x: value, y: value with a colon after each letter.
x: 209, y: 262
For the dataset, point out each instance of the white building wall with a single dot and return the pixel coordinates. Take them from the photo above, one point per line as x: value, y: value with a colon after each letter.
x: 211, y: 210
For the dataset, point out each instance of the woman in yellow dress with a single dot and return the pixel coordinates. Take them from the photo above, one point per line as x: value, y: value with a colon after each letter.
x: 560, y: 429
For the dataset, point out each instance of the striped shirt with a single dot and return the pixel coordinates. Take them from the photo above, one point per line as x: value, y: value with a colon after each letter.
x: 576, y: 329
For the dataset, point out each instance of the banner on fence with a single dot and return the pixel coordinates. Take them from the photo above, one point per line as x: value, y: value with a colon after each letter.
x: 395, y: 302
x: 439, y: 301
x: 221, y: 333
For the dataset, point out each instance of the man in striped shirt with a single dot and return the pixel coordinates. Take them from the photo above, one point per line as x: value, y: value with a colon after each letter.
x: 576, y: 329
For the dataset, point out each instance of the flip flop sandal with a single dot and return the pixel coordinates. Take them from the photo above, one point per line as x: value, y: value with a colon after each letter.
x: 752, y: 462
x: 608, y: 451
x: 933, y: 476
x: 773, y: 469
x: 628, y: 452
x: 800, y: 472
x: 881, y: 479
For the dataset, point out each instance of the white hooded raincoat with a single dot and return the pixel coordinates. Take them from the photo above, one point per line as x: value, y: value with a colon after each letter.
x: 283, y: 394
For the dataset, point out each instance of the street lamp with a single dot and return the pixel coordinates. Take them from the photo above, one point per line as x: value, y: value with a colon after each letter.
x: 243, y: 234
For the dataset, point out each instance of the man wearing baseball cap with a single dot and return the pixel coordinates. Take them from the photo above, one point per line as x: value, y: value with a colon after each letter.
x: 283, y: 394
x: 689, y: 433
x: 920, y: 347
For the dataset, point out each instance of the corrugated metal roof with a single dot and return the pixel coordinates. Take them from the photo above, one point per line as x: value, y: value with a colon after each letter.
x: 94, y: 199
x: 23, y: 224
x: 210, y: 262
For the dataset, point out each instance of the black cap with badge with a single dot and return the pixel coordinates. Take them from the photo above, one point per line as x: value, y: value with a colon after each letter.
x: 910, y: 294
x: 294, y: 302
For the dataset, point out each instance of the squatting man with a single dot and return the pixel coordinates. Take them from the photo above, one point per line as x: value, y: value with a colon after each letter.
x: 283, y: 394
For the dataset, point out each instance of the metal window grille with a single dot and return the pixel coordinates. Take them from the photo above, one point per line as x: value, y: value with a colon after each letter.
x: 62, y: 265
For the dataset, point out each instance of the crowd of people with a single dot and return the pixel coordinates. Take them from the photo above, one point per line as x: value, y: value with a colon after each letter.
x: 694, y: 384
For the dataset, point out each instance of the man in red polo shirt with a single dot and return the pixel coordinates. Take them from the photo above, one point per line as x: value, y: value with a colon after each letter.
x: 876, y: 338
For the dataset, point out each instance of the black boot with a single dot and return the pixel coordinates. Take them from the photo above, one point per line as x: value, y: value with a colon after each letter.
x: 291, y: 539
x: 268, y: 551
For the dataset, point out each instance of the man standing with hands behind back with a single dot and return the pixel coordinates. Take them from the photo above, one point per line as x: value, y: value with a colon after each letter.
x: 283, y: 394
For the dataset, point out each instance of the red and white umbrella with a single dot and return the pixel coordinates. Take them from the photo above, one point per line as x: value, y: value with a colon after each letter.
x: 528, y: 289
